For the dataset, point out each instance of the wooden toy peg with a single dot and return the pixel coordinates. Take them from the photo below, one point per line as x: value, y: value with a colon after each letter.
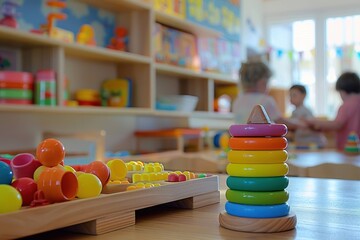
x: 258, y: 115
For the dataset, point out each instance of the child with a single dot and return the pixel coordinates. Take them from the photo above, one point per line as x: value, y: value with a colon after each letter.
x: 254, y: 78
x: 303, y: 137
x: 348, y: 116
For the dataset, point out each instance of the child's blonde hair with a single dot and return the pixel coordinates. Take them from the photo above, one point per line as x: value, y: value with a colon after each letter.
x: 252, y: 72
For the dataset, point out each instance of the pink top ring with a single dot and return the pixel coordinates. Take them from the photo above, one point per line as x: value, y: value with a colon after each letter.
x: 258, y: 130
x: 19, y: 77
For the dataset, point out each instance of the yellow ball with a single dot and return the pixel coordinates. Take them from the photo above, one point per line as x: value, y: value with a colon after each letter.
x: 118, y: 169
x: 10, y: 199
x: 224, y: 141
x: 78, y: 173
x: 37, y: 172
x: 89, y: 186
x: 69, y: 168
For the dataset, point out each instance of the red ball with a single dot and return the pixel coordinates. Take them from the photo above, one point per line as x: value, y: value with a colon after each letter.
x: 182, y: 177
x: 27, y: 188
x: 100, y: 169
x: 173, y: 177
x: 50, y: 152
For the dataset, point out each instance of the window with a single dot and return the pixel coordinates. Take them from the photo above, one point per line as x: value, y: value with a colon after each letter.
x: 293, y: 55
x: 343, y: 54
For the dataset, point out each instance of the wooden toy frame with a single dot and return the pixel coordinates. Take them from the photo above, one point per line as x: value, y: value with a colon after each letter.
x: 108, y: 212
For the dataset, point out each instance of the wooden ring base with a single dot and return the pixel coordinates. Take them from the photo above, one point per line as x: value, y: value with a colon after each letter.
x: 259, y: 225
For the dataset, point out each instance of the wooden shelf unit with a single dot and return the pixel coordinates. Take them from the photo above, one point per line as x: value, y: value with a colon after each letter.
x: 185, y: 25
x: 137, y: 64
x: 85, y: 67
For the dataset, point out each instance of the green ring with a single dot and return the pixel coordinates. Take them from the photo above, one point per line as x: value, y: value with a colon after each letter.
x: 257, y: 184
x: 257, y: 198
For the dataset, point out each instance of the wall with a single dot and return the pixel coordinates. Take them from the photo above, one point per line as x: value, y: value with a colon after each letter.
x: 253, y: 28
x: 277, y: 9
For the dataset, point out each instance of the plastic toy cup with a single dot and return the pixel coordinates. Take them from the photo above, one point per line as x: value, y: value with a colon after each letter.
x: 24, y: 165
x: 57, y: 184
x: 10, y: 199
x: 27, y: 187
x: 100, y: 169
x: 6, y: 173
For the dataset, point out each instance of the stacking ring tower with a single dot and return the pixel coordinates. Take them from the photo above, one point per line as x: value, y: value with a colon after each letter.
x: 256, y: 195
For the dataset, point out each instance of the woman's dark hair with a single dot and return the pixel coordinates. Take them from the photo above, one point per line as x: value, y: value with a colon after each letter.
x: 348, y: 82
x: 299, y: 87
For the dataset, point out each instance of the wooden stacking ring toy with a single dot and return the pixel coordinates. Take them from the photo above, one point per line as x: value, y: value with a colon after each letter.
x: 257, y: 211
x: 257, y: 170
x: 275, y: 156
x: 257, y: 198
x: 257, y: 184
x: 258, y: 143
x: 258, y: 130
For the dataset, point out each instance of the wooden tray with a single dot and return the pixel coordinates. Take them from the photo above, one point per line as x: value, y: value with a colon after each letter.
x: 108, y: 212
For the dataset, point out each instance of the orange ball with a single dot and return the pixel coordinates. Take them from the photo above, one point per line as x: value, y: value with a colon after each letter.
x: 100, y: 169
x: 50, y: 152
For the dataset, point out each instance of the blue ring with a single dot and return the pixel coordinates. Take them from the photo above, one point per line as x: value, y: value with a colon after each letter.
x: 256, y: 211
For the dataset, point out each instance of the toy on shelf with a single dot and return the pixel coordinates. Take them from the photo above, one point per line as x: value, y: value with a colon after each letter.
x: 16, y: 87
x: 86, y: 35
x: 176, y: 47
x: 352, y: 146
x: 120, y: 41
x: 50, y: 26
x: 116, y: 93
x: 222, y: 104
x: 256, y: 198
x: 45, y: 88
x: 8, y: 10
x: 88, y: 97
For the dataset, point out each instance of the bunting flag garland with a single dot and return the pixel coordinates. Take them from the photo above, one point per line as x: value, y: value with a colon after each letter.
x: 339, y: 52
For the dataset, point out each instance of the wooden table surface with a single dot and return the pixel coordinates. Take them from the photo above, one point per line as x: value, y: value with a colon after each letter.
x: 324, y: 164
x: 325, y: 209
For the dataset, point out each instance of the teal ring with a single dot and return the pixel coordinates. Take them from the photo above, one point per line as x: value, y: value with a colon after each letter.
x: 257, y: 198
x: 254, y: 211
x: 257, y: 184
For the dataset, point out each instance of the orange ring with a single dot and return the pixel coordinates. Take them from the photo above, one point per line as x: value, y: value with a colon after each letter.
x: 257, y: 143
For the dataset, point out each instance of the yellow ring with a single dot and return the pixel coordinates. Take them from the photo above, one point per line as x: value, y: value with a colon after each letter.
x: 275, y: 156
x: 257, y: 170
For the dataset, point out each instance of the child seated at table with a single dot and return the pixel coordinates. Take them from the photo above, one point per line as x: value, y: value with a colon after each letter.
x: 348, y: 117
x: 254, y: 79
x: 303, y: 137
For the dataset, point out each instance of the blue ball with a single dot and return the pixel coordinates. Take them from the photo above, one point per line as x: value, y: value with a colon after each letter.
x: 6, y: 173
